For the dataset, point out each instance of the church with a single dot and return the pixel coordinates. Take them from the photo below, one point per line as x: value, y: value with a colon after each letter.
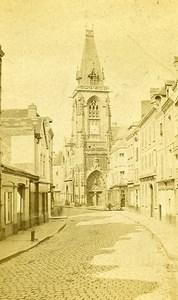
x: 86, y: 156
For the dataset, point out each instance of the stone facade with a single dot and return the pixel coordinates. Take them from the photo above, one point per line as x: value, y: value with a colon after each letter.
x: 118, y: 169
x: 58, y: 182
x: 157, y: 155
x: 27, y: 145
x: 86, y: 153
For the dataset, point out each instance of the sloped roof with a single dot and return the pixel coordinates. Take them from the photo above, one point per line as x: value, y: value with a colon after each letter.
x: 118, y: 132
x: 90, y: 60
x: 19, y: 118
x: 15, y: 113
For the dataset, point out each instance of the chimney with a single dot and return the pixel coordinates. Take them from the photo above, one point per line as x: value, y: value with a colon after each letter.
x: 153, y: 91
x: 176, y: 67
x: 32, y: 111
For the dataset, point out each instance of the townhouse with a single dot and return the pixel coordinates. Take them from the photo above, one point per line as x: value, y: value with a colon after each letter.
x: 27, y: 187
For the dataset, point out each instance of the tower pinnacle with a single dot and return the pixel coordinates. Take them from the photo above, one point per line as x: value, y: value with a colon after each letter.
x: 90, y: 72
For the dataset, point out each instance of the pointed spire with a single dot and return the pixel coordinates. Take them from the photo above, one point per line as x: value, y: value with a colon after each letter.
x: 90, y: 71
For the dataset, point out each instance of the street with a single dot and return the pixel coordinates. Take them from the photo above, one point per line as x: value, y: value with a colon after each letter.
x: 98, y: 255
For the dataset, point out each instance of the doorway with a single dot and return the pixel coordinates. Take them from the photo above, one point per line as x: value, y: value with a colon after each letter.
x: 151, y: 201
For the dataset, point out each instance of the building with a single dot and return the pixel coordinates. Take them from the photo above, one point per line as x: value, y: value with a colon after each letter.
x: 117, y: 175
x: 27, y: 145
x: 133, y: 155
x: 157, y: 132
x: 58, y: 182
x: 87, y: 151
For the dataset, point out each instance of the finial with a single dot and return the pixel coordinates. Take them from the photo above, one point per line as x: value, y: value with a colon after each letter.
x: 1, y: 52
x: 89, y: 32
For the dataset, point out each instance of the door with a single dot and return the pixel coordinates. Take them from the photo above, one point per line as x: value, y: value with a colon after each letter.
x: 151, y: 201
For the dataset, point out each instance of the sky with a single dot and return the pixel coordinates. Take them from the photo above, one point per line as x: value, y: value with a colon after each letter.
x: 43, y: 43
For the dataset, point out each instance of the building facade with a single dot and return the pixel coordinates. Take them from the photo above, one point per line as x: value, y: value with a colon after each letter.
x: 58, y: 182
x: 27, y: 145
x: 88, y: 149
x: 158, y: 155
x: 133, y: 154
x: 118, y: 174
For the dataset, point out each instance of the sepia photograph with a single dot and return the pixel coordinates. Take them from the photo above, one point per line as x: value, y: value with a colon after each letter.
x: 88, y: 150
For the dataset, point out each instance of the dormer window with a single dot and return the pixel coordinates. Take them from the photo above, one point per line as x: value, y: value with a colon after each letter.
x: 94, y: 78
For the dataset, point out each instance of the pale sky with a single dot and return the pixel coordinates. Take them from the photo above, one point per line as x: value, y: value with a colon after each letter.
x: 43, y: 42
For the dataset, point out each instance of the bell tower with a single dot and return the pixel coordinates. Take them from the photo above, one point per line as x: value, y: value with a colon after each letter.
x: 91, y: 129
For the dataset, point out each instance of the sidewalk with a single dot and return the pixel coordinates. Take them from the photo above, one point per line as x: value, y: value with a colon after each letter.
x: 21, y: 242
x: 166, y: 234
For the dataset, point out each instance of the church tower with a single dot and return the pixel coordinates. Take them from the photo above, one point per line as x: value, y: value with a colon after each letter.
x: 89, y: 146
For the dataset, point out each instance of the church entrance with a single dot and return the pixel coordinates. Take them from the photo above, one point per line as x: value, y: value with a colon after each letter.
x: 95, y: 189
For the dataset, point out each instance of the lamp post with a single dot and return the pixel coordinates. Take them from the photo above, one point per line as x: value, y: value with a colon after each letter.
x: 1, y: 215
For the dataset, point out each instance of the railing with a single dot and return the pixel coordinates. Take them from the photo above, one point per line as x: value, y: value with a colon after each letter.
x: 93, y: 87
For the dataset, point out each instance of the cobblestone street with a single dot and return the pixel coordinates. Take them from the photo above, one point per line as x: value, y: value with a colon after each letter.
x: 98, y: 255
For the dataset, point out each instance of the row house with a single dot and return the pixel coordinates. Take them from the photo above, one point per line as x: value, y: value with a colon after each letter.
x: 133, y: 154
x: 157, y: 133
x: 117, y: 174
x: 58, y: 182
x: 27, y: 145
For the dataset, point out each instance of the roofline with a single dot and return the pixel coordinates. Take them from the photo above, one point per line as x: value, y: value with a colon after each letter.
x: 20, y: 172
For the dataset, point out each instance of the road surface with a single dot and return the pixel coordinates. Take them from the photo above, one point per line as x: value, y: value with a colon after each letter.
x: 98, y: 256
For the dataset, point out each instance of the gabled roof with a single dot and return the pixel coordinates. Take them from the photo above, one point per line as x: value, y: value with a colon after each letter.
x: 14, y: 113
x: 19, y: 118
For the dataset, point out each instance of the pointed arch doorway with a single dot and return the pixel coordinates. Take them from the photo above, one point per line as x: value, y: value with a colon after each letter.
x: 96, y: 189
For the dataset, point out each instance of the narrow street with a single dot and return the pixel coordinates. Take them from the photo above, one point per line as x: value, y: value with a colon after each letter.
x: 99, y: 255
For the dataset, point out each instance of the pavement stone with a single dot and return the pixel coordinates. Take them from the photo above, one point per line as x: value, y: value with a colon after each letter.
x: 21, y: 242
x: 91, y: 264
x: 102, y: 255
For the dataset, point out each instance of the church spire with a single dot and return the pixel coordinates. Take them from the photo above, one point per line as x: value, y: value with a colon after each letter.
x: 90, y: 72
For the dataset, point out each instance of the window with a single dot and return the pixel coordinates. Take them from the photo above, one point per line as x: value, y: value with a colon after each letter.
x: 56, y: 173
x: 8, y: 200
x: 44, y: 166
x: 122, y: 173
x: 121, y: 154
x: 76, y: 179
x: 149, y: 135
x: 93, y: 109
x: 136, y: 154
x: 150, y: 159
x: 161, y: 129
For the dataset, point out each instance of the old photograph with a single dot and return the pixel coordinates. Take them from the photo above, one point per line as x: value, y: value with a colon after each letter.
x: 88, y: 150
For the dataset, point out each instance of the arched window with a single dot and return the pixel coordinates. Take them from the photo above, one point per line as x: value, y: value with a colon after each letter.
x: 93, y: 109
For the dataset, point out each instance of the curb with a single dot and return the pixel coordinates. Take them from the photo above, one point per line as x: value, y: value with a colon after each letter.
x: 172, y: 260
x: 13, y: 255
